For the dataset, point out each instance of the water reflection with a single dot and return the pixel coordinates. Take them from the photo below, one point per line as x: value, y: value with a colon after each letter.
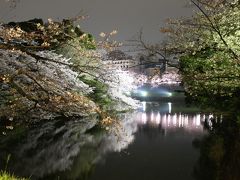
x: 169, y: 107
x: 162, y: 148
x: 167, y: 117
x: 71, y: 149
x: 66, y: 149
x: 172, y: 121
x: 219, y: 149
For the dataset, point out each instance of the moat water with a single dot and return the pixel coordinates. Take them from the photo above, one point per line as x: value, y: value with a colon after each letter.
x: 161, y: 140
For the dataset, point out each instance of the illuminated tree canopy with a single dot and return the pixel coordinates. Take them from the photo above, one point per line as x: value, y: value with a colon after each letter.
x: 51, y: 69
x: 208, y: 47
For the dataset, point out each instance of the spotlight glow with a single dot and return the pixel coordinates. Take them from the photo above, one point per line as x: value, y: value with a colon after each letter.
x: 144, y: 93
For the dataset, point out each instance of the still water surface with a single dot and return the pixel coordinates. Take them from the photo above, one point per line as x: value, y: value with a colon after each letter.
x: 154, y: 143
x: 162, y: 146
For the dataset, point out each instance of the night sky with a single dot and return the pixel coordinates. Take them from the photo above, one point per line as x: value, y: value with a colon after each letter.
x: 126, y: 16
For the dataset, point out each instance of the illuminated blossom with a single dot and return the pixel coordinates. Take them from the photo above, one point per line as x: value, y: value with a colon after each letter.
x: 102, y: 34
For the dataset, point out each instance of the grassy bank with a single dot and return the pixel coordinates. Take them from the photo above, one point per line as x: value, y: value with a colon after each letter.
x: 6, y: 176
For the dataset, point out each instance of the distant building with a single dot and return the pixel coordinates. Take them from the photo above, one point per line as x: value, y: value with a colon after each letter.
x: 119, y: 60
x: 149, y: 65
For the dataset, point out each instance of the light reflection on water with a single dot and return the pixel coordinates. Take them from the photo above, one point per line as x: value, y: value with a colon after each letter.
x: 74, y: 147
x: 170, y: 121
x: 167, y: 117
x: 162, y: 146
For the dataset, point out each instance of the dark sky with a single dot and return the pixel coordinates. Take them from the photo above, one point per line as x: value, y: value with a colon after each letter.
x: 126, y: 16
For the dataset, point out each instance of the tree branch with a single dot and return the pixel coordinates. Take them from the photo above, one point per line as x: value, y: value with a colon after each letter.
x: 216, y: 29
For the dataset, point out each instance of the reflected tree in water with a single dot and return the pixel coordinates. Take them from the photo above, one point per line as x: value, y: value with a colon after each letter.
x: 220, y: 149
x: 67, y: 149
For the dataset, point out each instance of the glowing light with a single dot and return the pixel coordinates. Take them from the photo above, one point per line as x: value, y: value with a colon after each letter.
x: 210, y: 116
x: 198, y: 120
x: 144, y: 93
x: 180, y: 120
x: 164, y: 119
x: 186, y: 120
x: 169, y: 107
x: 144, y: 118
x: 175, y: 120
x: 152, y: 117
x: 168, y: 120
x: 144, y: 106
x: 158, y: 118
